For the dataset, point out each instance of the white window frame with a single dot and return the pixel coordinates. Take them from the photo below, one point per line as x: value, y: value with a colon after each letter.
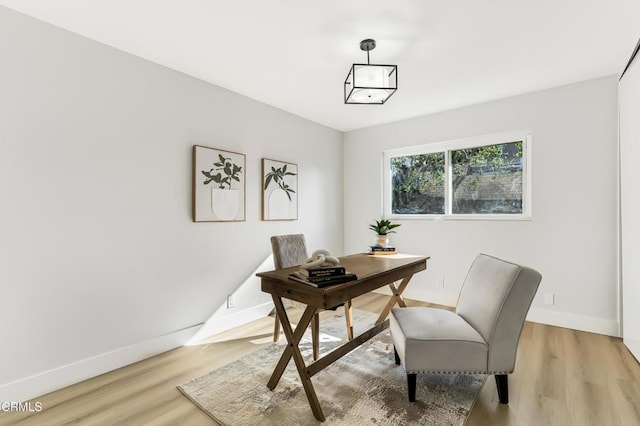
x: 472, y: 142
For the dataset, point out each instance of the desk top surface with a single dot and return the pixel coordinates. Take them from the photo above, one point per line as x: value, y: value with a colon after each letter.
x: 373, y: 271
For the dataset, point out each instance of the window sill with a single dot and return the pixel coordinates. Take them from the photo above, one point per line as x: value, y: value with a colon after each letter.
x: 464, y: 217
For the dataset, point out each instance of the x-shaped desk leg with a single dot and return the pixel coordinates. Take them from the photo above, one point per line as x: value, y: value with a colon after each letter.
x: 293, y: 351
x: 396, y: 297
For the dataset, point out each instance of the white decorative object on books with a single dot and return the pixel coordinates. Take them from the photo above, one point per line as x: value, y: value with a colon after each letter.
x: 320, y: 258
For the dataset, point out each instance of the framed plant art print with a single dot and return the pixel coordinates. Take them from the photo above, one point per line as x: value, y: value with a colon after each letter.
x: 279, y: 190
x: 218, y: 185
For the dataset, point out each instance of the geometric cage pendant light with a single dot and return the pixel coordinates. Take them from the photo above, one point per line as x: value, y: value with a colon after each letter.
x: 369, y: 83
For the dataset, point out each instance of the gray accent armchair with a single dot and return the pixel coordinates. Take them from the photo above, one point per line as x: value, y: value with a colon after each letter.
x: 291, y: 250
x: 481, y: 336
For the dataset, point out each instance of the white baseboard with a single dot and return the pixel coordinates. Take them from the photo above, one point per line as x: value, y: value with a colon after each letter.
x: 634, y: 347
x: 57, y: 378
x: 575, y: 321
x: 220, y: 323
x: 48, y: 381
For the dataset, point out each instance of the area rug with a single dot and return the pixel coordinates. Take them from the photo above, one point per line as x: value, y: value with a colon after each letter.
x: 364, y: 387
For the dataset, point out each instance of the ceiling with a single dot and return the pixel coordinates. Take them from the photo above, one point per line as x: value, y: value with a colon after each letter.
x: 295, y: 55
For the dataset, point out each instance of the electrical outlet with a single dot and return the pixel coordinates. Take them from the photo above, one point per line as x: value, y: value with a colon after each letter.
x: 548, y: 299
x: 231, y: 301
x: 440, y: 282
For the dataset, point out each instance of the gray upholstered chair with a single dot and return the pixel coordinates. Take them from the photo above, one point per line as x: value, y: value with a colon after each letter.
x: 291, y: 250
x: 481, y: 336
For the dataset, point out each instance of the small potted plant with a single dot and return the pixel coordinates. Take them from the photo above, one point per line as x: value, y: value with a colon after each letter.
x: 382, y: 228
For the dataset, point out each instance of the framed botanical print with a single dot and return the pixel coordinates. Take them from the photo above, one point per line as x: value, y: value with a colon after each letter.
x: 219, y: 185
x: 279, y: 190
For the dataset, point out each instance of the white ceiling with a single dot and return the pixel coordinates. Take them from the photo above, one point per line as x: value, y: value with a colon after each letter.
x: 295, y: 54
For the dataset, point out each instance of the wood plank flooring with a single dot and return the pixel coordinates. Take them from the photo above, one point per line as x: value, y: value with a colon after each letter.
x: 562, y: 377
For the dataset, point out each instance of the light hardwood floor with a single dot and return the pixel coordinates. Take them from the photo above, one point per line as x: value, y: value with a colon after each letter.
x: 562, y: 377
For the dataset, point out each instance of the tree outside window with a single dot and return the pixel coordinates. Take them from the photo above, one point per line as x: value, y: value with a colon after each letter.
x: 418, y: 184
x: 487, y: 179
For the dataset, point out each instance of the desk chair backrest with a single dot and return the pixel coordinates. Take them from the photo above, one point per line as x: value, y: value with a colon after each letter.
x: 288, y: 250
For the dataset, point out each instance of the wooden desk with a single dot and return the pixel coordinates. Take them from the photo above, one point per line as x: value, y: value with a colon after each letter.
x: 373, y: 272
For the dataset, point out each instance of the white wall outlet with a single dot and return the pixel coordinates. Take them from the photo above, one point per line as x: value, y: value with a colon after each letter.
x: 548, y: 299
x: 440, y: 282
x: 231, y: 301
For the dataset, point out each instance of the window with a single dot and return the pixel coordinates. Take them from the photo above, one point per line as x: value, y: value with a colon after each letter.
x: 481, y: 177
x: 417, y: 184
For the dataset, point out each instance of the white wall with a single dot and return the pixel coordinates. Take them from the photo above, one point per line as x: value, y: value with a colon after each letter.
x: 572, y: 238
x: 630, y: 204
x: 100, y: 262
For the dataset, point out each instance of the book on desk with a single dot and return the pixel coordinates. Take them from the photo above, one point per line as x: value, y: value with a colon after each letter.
x: 383, y: 250
x: 319, y: 279
x: 323, y: 271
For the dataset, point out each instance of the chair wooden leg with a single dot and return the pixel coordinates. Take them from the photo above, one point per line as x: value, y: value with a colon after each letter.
x: 411, y: 384
x: 396, y: 356
x: 315, y: 336
x: 503, y: 388
x: 276, y: 328
x: 348, y: 316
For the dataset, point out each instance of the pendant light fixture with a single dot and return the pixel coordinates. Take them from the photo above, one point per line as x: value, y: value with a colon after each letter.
x: 370, y: 83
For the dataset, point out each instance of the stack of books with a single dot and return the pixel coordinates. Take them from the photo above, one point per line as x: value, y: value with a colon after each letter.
x: 382, y: 250
x: 323, y: 276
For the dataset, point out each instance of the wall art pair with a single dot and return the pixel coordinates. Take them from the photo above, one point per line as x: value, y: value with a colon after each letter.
x: 219, y: 187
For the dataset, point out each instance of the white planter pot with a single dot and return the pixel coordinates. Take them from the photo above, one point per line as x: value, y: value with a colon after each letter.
x: 382, y: 240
